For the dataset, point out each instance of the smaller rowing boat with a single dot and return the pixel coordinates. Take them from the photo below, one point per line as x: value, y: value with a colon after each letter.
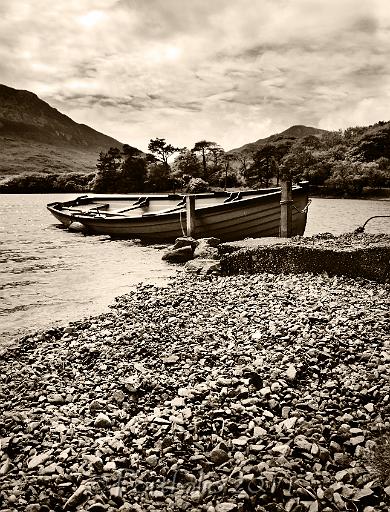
x: 163, y: 218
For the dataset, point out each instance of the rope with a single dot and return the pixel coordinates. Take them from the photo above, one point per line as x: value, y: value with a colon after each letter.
x: 305, y: 208
x: 361, y: 228
x: 181, y: 224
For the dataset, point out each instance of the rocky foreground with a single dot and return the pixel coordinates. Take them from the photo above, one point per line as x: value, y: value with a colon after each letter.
x: 262, y: 392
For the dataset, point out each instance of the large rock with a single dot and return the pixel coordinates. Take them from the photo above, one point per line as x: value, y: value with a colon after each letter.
x: 202, y: 266
x: 207, y: 248
x: 76, y: 497
x: 210, y: 241
x: 181, y: 255
x: 206, y: 252
x: 39, y: 459
x: 185, y: 241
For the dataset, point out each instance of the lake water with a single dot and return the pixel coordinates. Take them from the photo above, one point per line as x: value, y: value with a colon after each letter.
x: 50, y: 276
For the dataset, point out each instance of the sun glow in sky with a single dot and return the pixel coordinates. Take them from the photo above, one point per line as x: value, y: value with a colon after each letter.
x: 91, y: 18
x: 229, y: 72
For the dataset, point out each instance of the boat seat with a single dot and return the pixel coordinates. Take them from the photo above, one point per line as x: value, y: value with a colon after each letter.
x: 100, y: 207
x: 234, y: 196
x: 179, y: 206
x: 140, y: 203
x: 70, y: 209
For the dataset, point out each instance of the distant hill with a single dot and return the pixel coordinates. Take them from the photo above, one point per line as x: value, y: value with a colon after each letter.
x: 35, y: 137
x: 294, y: 132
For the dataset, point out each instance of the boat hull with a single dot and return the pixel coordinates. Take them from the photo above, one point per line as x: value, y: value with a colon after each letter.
x: 252, y: 216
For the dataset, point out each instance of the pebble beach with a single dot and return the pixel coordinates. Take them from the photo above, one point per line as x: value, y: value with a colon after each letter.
x: 244, y: 393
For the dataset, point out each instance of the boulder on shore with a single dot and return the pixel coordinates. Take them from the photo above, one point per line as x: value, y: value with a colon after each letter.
x: 207, y: 248
x: 203, y: 266
x: 187, y: 248
x: 185, y: 241
x: 180, y: 255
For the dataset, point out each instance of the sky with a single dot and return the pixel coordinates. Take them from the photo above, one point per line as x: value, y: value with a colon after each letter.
x: 227, y: 71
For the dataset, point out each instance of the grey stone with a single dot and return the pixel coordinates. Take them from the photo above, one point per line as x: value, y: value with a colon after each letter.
x: 102, y: 421
x: 39, y: 459
x: 202, y: 266
x: 76, y: 498
x: 185, y: 241
x: 225, y: 507
x: 181, y: 255
x: 218, y: 456
x: 206, y: 252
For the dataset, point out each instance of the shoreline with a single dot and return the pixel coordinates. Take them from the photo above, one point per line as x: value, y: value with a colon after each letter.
x: 211, y: 393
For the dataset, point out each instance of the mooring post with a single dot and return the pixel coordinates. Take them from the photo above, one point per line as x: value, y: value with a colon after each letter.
x: 190, y: 214
x: 286, y: 209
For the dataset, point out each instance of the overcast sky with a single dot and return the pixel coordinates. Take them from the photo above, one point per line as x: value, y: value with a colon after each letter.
x: 229, y: 71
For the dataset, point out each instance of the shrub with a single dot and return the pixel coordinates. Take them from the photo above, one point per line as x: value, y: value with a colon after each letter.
x: 197, y: 185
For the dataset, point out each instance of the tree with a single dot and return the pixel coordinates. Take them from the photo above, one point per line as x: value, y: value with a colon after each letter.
x: 201, y: 147
x: 297, y: 162
x: 159, y: 178
x: 130, y: 152
x: 311, y: 142
x: 331, y: 139
x: 374, y: 145
x: 281, y: 149
x: 228, y: 178
x: 161, y: 150
x: 107, y: 175
x: 245, y: 161
x: 348, y: 177
x: 133, y: 174
x: 187, y: 163
x: 109, y: 161
x: 197, y: 186
x: 216, y: 158
x: 264, y: 163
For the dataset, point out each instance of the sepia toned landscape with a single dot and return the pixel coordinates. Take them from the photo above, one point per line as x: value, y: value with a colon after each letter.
x: 194, y: 256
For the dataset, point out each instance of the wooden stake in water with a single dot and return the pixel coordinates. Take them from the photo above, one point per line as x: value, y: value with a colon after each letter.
x: 286, y: 209
x: 190, y: 214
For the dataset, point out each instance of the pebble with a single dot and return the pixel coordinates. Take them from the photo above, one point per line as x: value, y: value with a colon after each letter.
x: 39, y: 459
x: 284, y: 423
x: 225, y: 507
x: 76, y: 497
x: 218, y: 456
x: 102, y: 421
x: 291, y: 372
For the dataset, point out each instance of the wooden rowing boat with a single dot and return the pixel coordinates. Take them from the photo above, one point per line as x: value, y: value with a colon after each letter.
x: 162, y: 218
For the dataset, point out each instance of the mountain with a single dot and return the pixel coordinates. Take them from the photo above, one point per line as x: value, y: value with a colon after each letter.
x: 294, y: 132
x: 35, y: 137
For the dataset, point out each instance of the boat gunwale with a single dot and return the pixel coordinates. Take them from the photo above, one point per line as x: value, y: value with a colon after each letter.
x: 91, y: 198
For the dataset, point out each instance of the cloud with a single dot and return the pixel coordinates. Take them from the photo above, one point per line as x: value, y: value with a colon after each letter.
x: 226, y: 71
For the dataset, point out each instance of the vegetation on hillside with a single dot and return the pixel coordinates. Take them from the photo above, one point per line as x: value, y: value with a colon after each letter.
x: 24, y: 157
x: 341, y: 163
